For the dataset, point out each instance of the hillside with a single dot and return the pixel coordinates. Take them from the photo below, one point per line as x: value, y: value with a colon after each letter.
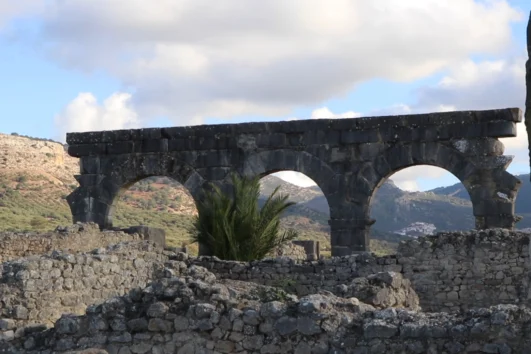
x: 400, y: 210
x: 36, y: 176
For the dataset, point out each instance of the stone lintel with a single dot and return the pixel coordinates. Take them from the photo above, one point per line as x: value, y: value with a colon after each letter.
x: 496, y: 123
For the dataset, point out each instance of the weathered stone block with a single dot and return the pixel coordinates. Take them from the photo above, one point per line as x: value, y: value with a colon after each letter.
x: 87, y: 150
x: 156, y: 235
x: 120, y: 147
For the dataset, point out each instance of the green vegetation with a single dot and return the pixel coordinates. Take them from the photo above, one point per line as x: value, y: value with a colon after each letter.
x: 235, y: 227
x: 34, y: 138
x: 37, y: 204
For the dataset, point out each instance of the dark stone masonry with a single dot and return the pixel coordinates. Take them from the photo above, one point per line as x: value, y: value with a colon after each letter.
x: 348, y: 159
x: 528, y: 87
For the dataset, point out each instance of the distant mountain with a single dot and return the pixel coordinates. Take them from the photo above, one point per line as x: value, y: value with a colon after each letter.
x: 523, y: 199
x: 296, y: 193
x: 395, y: 209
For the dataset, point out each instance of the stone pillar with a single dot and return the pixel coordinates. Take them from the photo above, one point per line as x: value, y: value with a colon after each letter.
x: 93, y: 200
x: 312, y: 248
x: 493, y: 195
x: 349, y: 236
x: 528, y: 85
x: 86, y: 206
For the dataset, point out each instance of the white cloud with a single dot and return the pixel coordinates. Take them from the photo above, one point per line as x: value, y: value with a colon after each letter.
x: 408, y: 179
x: 191, y: 59
x: 326, y: 113
x: 296, y: 178
x: 84, y: 113
x: 407, y: 185
x: 10, y: 9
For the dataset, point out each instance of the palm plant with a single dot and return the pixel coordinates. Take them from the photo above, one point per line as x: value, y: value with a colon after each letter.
x: 234, y: 227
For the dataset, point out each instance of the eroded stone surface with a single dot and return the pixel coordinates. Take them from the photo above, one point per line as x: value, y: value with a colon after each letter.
x: 449, y: 272
x: 73, y: 238
x: 193, y: 314
x: 348, y: 159
x: 383, y: 290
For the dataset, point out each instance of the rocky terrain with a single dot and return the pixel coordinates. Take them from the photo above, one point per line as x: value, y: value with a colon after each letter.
x: 136, y: 297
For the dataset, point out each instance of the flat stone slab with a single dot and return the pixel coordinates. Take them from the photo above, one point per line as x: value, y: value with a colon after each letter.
x: 416, y: 127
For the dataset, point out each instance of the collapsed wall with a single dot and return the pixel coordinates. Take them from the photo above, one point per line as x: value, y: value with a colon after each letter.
x: 449, y: 271
x: 195, y: 313
x: 73, y: 238
x: 39, y: 289
x: 360, y: 303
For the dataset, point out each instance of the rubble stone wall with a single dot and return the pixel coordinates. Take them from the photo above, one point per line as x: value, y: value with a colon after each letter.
x: 449, y: 271
x: 73, y: 238
x: 39, y: 289
x: 291, y: 250
x: 197, y: 314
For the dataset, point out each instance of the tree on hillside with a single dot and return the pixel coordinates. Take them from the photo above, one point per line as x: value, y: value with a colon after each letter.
x: 234, y: 227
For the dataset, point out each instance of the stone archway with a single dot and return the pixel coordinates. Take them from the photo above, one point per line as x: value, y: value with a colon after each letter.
x: 268, y: 162
x: 347, y: 158
x: 94, y: 199
x: 492, y: 190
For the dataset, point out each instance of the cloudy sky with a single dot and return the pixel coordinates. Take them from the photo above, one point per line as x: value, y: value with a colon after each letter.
x: 83, y: 65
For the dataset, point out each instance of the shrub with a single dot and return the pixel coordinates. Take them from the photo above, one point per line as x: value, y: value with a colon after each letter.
x: 234, y: 227
x: 38, y: 223
x: 22, y: 179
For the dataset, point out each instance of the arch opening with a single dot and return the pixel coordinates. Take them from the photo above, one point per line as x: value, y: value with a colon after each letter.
x: 310, y: 215
x: 161, y: 202
x: 418, y: 200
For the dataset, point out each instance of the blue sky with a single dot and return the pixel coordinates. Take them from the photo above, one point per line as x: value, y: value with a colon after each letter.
x: 322, y: 59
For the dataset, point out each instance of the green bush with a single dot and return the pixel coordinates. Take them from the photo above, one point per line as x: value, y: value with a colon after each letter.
x: 38, y: 223
x: 234, y: 227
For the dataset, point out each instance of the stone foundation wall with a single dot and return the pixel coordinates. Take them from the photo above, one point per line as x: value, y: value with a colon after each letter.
x: 449, y: 271
x: 73, y: 238
x: 463, y: 270
x: 197, y: 314
x: 39, y: 289
x: 290, y: 250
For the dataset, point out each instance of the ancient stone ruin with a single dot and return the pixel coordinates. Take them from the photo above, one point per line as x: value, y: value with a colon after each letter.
x: 449, y: 293
x: 88, y: 289
x: 347, y: 158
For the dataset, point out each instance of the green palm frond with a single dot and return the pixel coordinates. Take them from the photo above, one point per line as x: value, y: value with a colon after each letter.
x: 235, y: 227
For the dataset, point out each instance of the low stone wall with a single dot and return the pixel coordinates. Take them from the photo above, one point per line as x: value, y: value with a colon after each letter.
x: 39, y: 289
x: 454, y: 271
x: 449, y: 271
x: 290, y: 250
x: 73, y: 238
x: 299, y: 276
x: 196, y: 314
